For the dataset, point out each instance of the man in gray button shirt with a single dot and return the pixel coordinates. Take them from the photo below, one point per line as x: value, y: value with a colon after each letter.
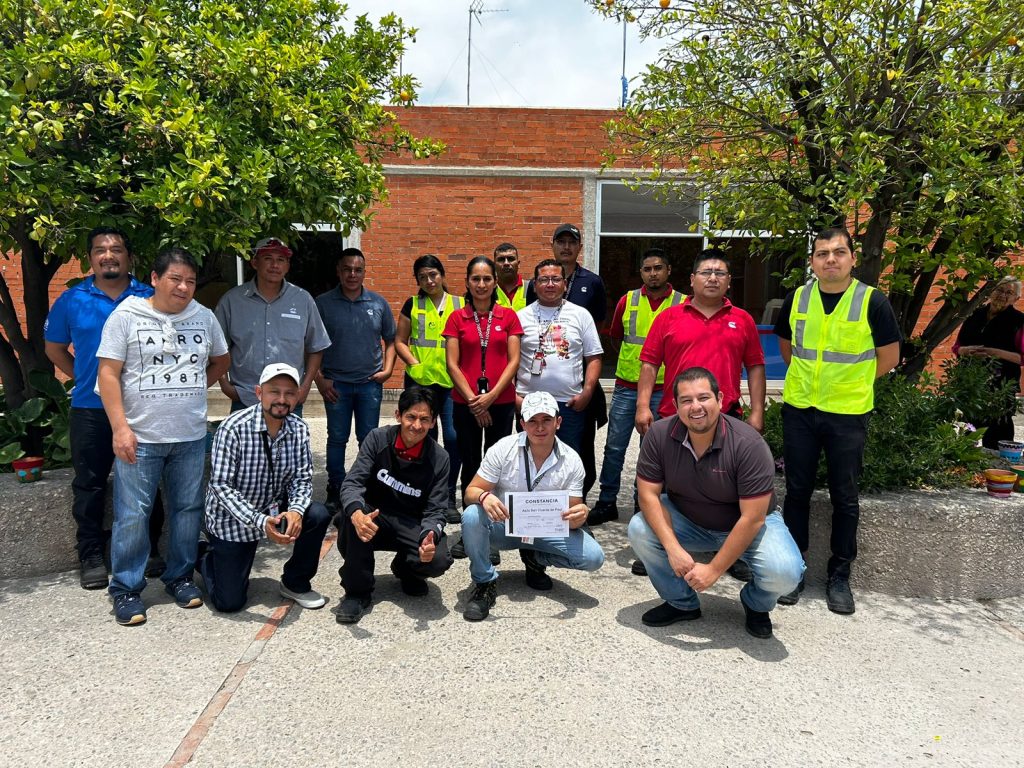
x: 358, y: 362
x: 269, y: 320
x: 706, y: 483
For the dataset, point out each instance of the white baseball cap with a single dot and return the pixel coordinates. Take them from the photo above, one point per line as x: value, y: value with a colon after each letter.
x: 280, y: 369
x: 539, y: 402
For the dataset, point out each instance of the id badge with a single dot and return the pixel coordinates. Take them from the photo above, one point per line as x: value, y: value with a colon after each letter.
x: 538, y: 366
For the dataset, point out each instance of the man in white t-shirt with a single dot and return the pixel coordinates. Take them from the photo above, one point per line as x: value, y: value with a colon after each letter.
x: 533, y: 460
x: 560, y: 352
x: 157, y: 357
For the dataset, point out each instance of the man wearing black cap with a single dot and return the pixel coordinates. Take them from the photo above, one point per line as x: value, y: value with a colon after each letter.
x: 270, y: 320
x: 586, y: 289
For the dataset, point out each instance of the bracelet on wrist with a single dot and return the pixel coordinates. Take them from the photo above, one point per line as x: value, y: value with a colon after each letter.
x: 482, y: 496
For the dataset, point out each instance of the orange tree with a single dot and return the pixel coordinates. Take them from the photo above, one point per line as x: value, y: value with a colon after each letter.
x: 203, y: 123
x: 902, y: 117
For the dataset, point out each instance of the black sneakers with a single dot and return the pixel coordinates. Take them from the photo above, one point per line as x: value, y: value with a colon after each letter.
x: 536, y: 578
x: 793, y: 597
x: 740, y: 571
x: 759, y: 623
x: 666, y: 614
x: 352, y: 609
x: 638, y: 568
x: 481, y: 601
x: 838, y: 595
x: 412, y: 585
x: 603, y: 512
x: 93, y: 573
x: 333, y: 500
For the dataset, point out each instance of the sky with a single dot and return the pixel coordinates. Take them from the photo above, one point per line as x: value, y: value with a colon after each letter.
x: 535, y: 53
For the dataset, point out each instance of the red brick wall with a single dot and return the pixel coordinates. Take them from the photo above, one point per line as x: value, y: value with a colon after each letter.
x: 458, y: 217
x: 488, y: 136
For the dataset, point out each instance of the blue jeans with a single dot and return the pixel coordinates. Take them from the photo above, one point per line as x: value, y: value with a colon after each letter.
x: 579, y: 551
x: 180, y: 466
x: 773, y: 557
x: 573, y: 424
x: 362, y: 400
x: 621, y: 423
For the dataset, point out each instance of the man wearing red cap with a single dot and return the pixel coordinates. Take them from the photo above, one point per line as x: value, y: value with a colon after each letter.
x: 269, y: 320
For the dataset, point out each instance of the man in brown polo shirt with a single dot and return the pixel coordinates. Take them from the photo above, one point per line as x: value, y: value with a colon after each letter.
x: 705, y: 482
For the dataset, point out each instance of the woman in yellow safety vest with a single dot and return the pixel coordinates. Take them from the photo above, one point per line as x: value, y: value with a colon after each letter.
x: 420, y: 346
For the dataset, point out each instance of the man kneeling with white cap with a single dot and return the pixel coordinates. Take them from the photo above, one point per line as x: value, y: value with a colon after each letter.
x: 532, y: 461
x: 261, y: 485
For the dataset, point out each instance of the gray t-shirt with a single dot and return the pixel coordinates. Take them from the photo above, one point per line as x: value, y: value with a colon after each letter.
x: 163, y: 381
x: 262, y: 332
x: 738, y: 465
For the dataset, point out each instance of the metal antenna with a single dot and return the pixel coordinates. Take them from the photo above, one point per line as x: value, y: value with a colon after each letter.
x: 476, y: 8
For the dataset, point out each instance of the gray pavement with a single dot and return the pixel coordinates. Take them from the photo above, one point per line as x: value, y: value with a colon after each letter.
x: 570, y: 677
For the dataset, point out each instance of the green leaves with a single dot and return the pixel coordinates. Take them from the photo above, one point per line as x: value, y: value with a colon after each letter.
x: 195, y: 123
x: 795, y: 116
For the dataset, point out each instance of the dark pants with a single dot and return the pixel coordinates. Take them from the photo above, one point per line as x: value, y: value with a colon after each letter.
x: 596, y: 417
x: 996, y: 431
x: 227, y: 564
x: 474, y: 439
x: 805, y: 433
x: 92, y: 456
x: 395, y: 533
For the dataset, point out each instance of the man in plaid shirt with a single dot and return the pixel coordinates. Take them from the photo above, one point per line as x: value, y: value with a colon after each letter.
x: 261, y: 485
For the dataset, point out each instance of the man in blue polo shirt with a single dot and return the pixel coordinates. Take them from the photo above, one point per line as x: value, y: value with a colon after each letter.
x: 356, y: 365
x: 77, y: 319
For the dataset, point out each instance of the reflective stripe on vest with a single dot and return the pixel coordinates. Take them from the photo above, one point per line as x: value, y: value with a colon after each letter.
x: 426, y: 342
x: 518, y: 300
x: 637, y: 319
x: 833, y: 364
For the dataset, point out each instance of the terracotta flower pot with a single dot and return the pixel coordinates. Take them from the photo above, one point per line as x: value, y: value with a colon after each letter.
x: 28, y: 469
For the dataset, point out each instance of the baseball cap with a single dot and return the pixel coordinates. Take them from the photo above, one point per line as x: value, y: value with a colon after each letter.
x: 566, y: 229
x: 280, y: 369
x: 272, y: 245
x: 539, y: 402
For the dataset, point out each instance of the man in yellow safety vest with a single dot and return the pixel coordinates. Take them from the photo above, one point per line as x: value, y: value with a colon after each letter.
x: 511, y: 286
x: 837, y: 335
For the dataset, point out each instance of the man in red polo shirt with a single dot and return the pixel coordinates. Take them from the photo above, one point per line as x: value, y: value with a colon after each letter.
x: 706, y: 330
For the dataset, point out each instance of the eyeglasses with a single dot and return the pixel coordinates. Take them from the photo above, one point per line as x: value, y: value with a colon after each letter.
x: 424, y: 276
x: 549, y: 280
x: 706, y: 273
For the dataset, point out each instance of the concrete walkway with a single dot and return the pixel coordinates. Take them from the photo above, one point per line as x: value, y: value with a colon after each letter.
x: 569, y: 677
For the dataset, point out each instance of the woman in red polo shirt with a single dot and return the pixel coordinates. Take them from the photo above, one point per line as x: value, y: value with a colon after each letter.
x: 483, y: 356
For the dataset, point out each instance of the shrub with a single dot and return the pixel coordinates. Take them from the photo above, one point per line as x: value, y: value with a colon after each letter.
x: 913, y: 440
x: 41, y: 422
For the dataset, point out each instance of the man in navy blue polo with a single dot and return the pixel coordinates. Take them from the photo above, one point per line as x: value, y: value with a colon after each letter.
x: 356, y: 365
x: 76, y: 320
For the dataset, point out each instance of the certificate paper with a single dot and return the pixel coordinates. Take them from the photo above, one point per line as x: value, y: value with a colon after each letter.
x: 537, y: 514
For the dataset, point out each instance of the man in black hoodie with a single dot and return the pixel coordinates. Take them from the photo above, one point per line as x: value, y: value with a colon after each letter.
x: 394, y: 498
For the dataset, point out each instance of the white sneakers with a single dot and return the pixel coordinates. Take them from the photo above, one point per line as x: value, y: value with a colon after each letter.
x: 309, y: 599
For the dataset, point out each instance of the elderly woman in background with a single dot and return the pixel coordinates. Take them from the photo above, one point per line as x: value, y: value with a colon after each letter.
x: 994, y: 330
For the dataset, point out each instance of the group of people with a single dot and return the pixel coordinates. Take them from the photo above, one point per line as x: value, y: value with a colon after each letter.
x: 506, y: 352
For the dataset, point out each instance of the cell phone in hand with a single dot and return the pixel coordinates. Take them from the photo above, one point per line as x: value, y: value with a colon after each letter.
x: 282, y: 525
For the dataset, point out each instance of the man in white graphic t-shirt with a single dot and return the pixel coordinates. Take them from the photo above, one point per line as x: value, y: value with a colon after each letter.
x: 157, y: 357
x: 560, y: 352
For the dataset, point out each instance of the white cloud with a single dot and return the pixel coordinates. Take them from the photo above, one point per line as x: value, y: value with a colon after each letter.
x: 540, y: 53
